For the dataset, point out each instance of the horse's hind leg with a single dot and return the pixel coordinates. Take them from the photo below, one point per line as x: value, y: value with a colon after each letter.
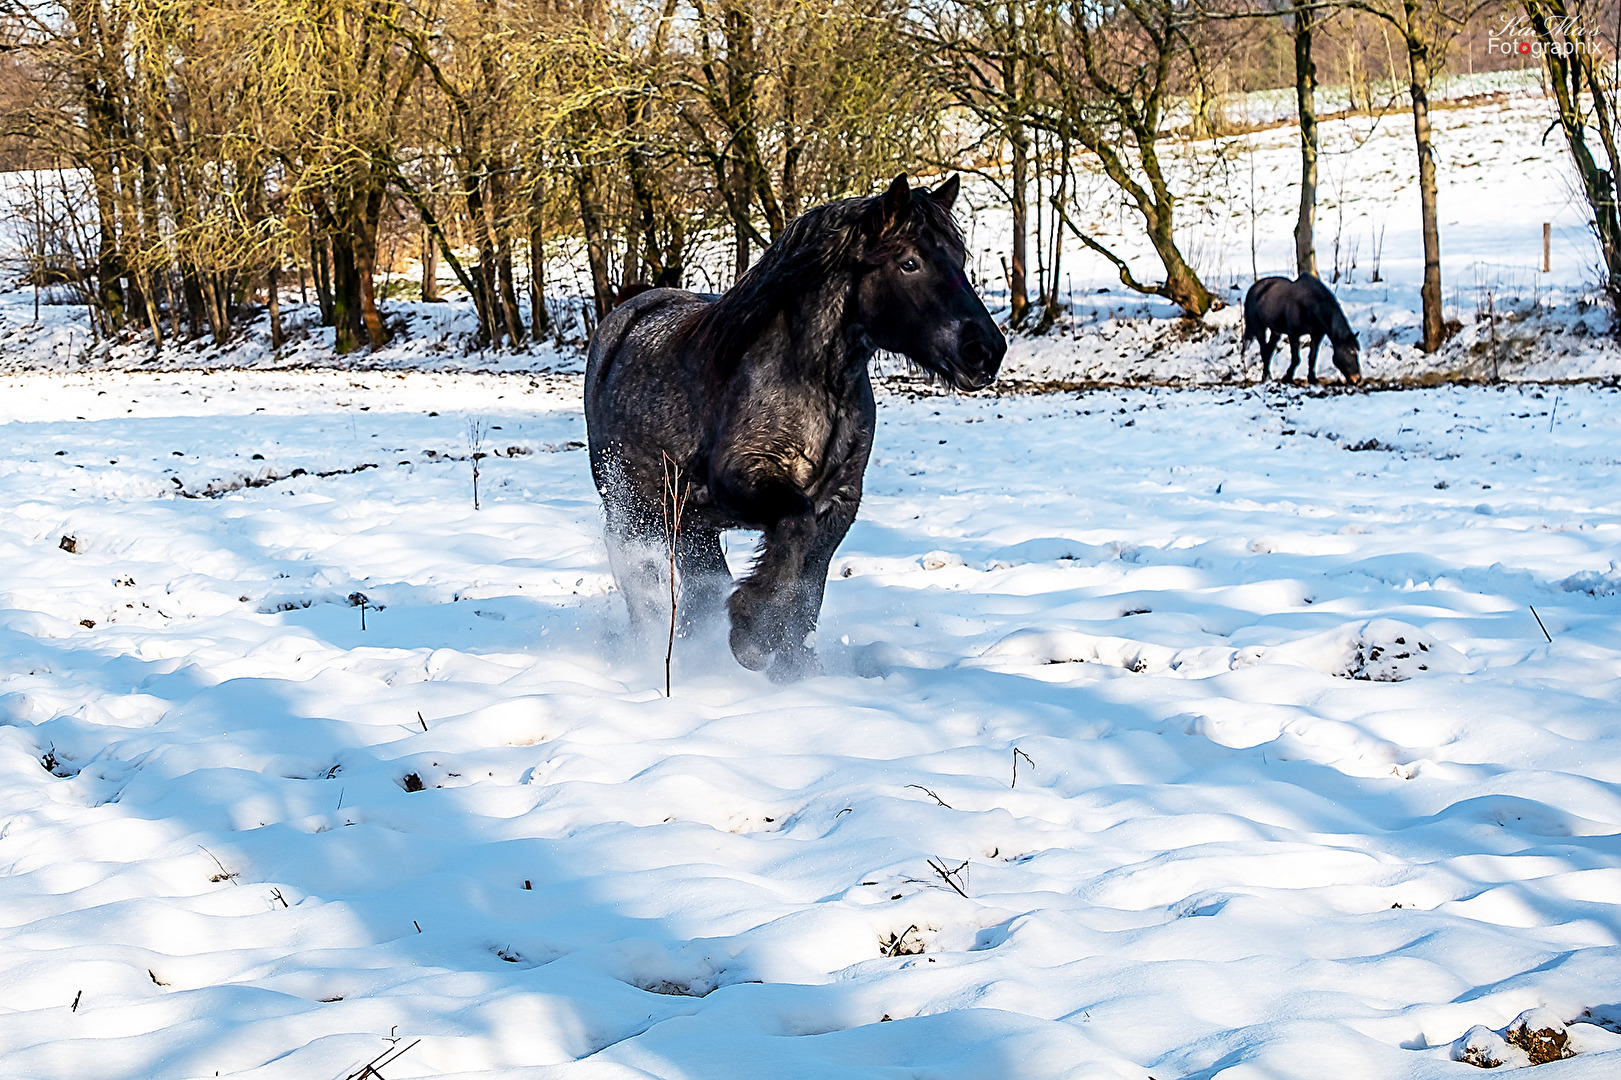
x: 640, y: 563
x: 705, y: 577
x: 1268, y: 341
x: 1311, y: 359
x: 1294, y: 358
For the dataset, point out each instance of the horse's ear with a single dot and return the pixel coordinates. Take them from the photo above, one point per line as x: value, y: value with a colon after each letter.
x: 946, y: 193
x: 898, y: 199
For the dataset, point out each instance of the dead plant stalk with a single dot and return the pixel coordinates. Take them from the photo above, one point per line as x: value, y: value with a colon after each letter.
x: 675, y: 503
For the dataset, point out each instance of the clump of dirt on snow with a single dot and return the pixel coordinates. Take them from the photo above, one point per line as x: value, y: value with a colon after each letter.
x: 1541, y: 1035
x: 1535, y: 1037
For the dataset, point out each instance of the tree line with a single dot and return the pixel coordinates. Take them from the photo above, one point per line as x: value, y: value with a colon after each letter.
x: 221, y: 146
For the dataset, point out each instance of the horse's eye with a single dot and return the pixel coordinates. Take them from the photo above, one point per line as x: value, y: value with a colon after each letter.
x: 910, y: 265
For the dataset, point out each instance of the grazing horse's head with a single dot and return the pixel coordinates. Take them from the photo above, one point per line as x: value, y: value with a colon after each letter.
x: 1345, y: 359
x: 912, y: 296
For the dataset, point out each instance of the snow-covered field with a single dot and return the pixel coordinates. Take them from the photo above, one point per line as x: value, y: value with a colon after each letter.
x: 1302, y: 788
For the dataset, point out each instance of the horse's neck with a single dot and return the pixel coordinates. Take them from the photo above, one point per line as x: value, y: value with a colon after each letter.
x: 821, y: 345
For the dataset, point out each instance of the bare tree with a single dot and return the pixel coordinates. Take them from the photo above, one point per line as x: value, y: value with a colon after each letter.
x: 981, y: 55
x: 1305, y: 17
x: 1570, y: 34
x: 1425, y: 28
x: 1115, y: 71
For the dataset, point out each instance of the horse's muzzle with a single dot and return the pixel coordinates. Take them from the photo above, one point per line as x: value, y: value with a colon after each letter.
x: 970, y: 381
x: 978, y: 361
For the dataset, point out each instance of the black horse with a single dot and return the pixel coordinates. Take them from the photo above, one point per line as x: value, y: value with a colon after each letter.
x: 1276, y: 308
x: 762, y: 401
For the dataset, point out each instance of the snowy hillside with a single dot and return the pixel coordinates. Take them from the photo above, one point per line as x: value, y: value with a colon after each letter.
x: 1499, y: 182
x: 1302, y: 789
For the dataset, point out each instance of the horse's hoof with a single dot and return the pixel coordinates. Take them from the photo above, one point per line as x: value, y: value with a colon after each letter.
x: 748, y: 651
x: 790, y: 665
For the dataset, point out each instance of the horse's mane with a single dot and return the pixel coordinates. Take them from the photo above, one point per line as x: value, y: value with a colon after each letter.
x: 822, y: 242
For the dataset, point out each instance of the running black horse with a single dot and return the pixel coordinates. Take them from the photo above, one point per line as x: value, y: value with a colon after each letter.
x: 1277, y: 308
x: 761, y: 399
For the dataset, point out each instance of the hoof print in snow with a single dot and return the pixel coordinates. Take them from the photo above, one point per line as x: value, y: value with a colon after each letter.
x: 411, y: 782
x: 55, y: 766
x: 907, y: 943
x: 1483, y: 1048
x: 672, y: 988
x: 69, y: 544
x: 1541, y: 1034
x: 1383, y: 650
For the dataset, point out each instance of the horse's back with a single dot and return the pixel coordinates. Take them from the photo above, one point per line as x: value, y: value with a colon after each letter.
x: 630, y: 323
x: 1302, y: 306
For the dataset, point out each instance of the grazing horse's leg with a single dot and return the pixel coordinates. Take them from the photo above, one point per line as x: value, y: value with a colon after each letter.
x: 1311, y: 359
x: 1268, y: 342
x: 1294, y: 358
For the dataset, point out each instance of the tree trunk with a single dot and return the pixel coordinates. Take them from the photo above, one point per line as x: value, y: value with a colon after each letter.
x: 1018, y: 286
x: 346, y: 300
x: 153, y: 318
x: 540, y: 323
x: 1182, y: 285
x: 643, y: 221
x: 274, y: 297
x: 488, y: 301
x: 214, y: 299
x: 740, y: 252
x: 596, y: 241
x: 1306, y: 97
x: 321, y: 271
x: 365, y: 264
x: 509, y: 291
x: 174, y: 305
x: 430, y: 267
x: 196, y: 318
x: 1418, y: 66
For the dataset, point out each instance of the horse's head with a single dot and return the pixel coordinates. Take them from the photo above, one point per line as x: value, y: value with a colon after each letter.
x: 914, y: 298
x: 1345, y: 359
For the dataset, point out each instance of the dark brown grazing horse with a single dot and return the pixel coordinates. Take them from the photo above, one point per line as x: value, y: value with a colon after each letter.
x: 1277, y: 308
x: 761, y: 399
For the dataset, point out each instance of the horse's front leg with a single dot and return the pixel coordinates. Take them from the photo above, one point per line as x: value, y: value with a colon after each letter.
x: 776, y: 607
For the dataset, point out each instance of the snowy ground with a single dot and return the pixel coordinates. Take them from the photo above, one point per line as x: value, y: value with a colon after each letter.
x: 1302, y: 788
